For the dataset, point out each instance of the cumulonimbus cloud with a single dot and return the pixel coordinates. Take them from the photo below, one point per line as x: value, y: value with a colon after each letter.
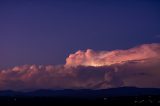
x: 102, y: 58
x: 138, y: 66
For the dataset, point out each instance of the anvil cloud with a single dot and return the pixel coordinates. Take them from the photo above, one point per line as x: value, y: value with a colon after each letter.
x: 138, y: 66
x: 102, y: 58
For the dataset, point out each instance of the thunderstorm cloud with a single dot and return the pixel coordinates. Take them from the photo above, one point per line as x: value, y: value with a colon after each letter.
x: 138, y: 66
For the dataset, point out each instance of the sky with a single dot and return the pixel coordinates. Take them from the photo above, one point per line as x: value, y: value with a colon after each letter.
x: 55, y: 44
x: 47, y: 31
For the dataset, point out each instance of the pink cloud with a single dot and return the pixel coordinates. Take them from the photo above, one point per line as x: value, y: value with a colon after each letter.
x: 139, y: 66
x: 102, y: 58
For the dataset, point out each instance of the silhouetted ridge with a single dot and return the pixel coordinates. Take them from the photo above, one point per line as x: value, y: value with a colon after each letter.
x: 123, y: 91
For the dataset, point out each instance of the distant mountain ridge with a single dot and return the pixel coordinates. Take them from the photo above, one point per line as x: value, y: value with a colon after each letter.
x: 85, y: 93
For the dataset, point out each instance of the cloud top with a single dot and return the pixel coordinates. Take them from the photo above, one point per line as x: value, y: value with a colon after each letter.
x: 106, y: 58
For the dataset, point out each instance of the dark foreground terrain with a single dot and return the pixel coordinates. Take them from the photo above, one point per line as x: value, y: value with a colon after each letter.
x: 131, y: 96
x: 29, y: 101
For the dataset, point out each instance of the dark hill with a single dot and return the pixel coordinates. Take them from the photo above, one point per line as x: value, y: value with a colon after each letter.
x: 125, y: 95
x: 123, y: 91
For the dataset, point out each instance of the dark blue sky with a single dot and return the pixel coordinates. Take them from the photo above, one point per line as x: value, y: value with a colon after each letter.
x: 46, y: 32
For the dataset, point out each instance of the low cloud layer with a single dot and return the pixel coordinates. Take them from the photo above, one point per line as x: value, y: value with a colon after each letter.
x: 139, y: 67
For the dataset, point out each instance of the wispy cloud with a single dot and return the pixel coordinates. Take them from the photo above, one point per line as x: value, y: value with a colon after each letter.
x: 157, y: 36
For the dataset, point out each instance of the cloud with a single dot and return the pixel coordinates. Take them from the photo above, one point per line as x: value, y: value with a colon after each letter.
x: 106, y: 58
x: 139, y: 66
x: 157, y: 36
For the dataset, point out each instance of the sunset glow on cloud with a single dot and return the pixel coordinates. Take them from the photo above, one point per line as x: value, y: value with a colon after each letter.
x: 106, y: 58
x: 139, y: 66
